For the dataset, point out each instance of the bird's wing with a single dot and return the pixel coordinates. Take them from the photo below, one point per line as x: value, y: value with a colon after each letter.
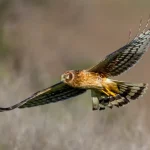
x: 55, y: 93
x: 124, y: 58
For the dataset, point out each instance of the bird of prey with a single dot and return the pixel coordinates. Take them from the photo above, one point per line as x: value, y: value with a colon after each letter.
x: 105, y: 92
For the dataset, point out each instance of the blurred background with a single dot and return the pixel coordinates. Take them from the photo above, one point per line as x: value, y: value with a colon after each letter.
x: 39, y: 40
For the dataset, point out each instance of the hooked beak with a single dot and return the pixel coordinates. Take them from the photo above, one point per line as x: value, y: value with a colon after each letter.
x: 62, y: 78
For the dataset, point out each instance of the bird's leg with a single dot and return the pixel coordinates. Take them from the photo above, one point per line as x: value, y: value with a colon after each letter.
x: 108, y: 92
x: 105, y: 92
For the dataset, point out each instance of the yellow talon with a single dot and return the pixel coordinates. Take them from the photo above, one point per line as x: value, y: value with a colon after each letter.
x: 105, y: 93
x: 109, y: 93
x: 112, y: 94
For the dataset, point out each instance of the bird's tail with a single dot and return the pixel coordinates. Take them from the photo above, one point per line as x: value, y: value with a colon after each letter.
x: 131, y: 91
x: 128, y: 91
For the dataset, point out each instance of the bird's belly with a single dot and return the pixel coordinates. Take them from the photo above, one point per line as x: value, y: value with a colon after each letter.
x: 96, y: 84
x: 88, y: 80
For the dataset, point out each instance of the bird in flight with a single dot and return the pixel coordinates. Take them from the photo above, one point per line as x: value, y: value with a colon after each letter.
x: 105, y: 92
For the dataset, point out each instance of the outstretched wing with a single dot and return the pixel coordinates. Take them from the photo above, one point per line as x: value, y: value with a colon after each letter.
x: 124, y: 58
x: 55, y: 93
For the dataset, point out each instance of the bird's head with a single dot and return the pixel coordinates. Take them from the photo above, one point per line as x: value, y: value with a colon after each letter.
x: 68, y: 76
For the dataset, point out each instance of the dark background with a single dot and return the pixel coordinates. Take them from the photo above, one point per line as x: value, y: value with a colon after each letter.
x: 39, y: 40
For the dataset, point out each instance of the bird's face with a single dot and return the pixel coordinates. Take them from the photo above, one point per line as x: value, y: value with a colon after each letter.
x: 68, y: 76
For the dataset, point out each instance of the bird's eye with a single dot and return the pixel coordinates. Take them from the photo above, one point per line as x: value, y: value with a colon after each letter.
x: 69, y: 76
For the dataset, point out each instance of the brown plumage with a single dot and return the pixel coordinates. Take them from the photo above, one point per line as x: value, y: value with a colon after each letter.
x: 105, y: 92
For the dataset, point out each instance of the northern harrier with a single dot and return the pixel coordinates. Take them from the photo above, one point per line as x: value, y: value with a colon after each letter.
x: 105, y: 92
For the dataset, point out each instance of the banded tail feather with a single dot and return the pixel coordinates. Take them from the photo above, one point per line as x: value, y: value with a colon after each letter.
x: 131, y: 91
x: 127, y: 92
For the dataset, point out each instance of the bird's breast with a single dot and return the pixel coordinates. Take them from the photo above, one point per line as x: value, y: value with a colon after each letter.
x: 88, y: 80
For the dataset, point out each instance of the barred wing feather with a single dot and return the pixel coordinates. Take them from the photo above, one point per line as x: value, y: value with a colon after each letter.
x: 55, y: 93
x: 124, y: 58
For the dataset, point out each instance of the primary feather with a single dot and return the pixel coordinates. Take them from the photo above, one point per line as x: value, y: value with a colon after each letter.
x: 55, y: 93
x: 124, y: 58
